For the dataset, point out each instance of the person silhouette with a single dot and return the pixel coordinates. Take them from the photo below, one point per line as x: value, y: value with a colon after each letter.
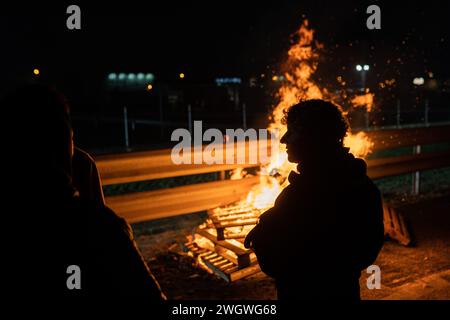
x: 61, y: 231
x: 326, y: 226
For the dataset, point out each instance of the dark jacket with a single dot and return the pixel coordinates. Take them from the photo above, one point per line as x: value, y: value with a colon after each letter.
x: 324, y: 228
x: 115, y: 262
x: 104, y: 244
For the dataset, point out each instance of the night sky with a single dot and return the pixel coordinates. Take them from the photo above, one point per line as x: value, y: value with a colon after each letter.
x: 207, y: 39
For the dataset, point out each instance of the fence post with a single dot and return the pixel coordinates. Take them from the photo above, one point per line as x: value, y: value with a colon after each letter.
x: 398, y: 113
x: 416, y: 175
x: 426, y: 111
x: 244, y: 116
x: 125, y: 127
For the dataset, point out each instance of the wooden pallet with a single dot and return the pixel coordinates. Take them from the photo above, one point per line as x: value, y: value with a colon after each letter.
x: 194, y: 249
x: 231, y: 249
x: 218, y: 244
x: 220, y: 265
x: 226, y: 269
x: 234, y: 221
x: 395, y: 226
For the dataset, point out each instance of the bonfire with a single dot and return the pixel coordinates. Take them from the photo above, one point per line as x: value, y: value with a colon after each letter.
x: 218, y: 242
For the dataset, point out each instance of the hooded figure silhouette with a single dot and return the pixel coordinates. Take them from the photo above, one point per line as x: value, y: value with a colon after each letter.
x: 59, y: 229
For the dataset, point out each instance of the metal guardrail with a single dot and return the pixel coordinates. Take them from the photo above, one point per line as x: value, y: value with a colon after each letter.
x: 163, y: 203
x: 169, y: 202
x: 407, y: 137
x: 151, y: 165
x: 393, y: 166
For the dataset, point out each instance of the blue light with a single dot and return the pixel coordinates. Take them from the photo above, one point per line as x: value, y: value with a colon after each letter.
x: 122, y: 76
x: 112, y: 76
x: 220, y: 81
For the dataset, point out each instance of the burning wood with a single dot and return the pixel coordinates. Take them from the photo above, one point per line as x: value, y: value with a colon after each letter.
x: 224, y: 252
x: 234, y: 221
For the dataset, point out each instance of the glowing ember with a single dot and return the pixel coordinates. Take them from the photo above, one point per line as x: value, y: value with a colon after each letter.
x: 365, y: 100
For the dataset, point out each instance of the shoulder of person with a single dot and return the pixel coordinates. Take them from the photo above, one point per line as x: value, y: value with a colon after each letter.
x: 80, y: 154
x: 106, y: 219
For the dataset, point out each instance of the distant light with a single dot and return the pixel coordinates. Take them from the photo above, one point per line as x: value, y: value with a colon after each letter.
x: 149, y: 87
x: 112, y: 76
x: 36, y: 72
x: 366, y: 67
x: 418, y: 81
x: 140, y: 76
x: 181, y: 75
x: 220, y: 81
x: 122, y: 76
x: 131, y: 76
x: 149, y: 77
x: 430, y: 74
x: 358, y: 67
x: 274, y: 78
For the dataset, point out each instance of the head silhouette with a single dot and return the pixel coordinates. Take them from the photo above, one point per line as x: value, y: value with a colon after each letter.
x: 315, y: 128
x: 42, y: 132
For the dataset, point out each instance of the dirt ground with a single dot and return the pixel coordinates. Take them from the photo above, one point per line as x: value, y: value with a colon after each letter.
x: 429, y: 220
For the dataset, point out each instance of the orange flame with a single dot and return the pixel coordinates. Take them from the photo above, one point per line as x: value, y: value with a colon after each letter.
x: 301, y: 64
x: 365, y: 100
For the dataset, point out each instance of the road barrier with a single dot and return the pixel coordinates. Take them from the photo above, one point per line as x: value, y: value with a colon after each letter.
x: 150, y: 165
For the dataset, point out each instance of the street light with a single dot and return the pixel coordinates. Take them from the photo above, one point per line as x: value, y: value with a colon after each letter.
x: 36, y: 72
x: 418, y: 81
x: 358, y: 67
x: 366, y: 67
x: 182, y: 75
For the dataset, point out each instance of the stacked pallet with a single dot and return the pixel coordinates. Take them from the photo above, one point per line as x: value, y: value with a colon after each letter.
x: 219, y: 243
x: 395, y: 226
